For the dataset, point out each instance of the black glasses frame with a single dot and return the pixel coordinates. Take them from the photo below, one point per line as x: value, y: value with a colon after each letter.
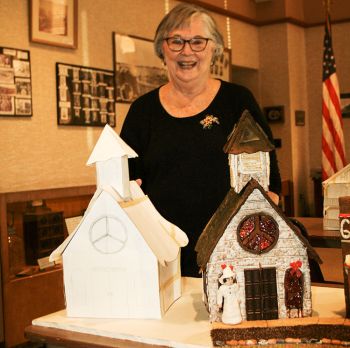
x: 190, y: 41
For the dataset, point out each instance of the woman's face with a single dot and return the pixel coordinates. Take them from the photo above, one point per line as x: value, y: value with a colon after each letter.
x: 187, y: 65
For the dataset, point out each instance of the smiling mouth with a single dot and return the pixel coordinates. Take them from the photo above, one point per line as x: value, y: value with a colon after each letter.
x: 186, y: 65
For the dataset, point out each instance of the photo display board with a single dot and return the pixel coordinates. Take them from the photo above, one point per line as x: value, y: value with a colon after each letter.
x: 15, y: 82
x: 85, y: 96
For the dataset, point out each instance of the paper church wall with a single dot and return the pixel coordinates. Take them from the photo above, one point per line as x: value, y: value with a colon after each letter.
x: 334, y: 187
x: 123, y: 259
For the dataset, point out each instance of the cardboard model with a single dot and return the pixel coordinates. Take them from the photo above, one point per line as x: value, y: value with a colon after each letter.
x: 123, y: 259
x: 336, y: 186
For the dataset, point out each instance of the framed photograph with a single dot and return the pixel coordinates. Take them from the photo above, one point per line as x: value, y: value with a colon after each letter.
x: 274, y: 114
x: 345, y: 104
x: 85, y: 96
x: 54, y: 22
x: 222, y: 69
x: 137, y: 68
x: 15, y: 82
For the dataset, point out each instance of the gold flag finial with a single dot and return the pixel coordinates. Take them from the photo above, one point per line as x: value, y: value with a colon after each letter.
x: 327, y: 5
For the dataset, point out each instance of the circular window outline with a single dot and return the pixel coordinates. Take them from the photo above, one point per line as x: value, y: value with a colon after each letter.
x: 121, y: 241
x: 259, y: 251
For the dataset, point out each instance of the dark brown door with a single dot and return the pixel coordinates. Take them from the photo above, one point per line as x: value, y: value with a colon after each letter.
x: 261, y: 294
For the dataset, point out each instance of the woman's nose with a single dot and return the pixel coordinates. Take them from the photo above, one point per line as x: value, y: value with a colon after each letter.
x: 187, y: 48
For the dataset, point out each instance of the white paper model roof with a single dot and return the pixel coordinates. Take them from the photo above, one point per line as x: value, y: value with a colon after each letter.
x: 110, y: 145
x: 341, y: 176
x: 163, y: 238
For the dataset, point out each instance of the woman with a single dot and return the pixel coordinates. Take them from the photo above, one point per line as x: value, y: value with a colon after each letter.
x: 179, y: 129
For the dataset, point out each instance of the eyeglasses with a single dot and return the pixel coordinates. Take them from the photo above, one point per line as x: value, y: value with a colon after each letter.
x: 177, y: 44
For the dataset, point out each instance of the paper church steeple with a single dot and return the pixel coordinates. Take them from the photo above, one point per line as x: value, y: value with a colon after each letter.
x: 110, y: 155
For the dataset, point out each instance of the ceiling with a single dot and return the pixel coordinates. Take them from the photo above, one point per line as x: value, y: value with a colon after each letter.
x: 305, y: 13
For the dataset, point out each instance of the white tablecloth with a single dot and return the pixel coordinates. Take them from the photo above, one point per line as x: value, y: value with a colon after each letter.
x: 186, y: 322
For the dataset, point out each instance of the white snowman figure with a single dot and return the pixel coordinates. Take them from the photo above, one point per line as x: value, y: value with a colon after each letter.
x: 227, y: 297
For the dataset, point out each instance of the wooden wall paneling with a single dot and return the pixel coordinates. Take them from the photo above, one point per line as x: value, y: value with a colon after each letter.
x: 28, y: 297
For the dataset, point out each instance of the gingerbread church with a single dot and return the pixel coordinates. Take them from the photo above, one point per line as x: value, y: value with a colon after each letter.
x: 267, y: 253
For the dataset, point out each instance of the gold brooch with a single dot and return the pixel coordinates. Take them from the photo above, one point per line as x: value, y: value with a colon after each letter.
x: 209, y: 121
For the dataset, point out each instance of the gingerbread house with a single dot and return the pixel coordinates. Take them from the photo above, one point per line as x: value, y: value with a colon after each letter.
x: 344, y: 219
x: 268, y: 253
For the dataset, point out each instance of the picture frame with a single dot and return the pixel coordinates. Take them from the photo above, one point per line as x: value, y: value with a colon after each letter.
x: 222, y: 68
x: 274, y: 114
x: 85, y: 96
x: 345, y: 104
x: 137, y: 69
x: 15, y: 83
x: 54, y: 22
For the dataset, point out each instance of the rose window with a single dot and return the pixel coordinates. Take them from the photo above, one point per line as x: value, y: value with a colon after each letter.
x: 257, y: 233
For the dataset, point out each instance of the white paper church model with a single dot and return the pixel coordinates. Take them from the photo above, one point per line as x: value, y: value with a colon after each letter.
x: 250, y: 234
x: 334, y: 187
x: 123, y: 259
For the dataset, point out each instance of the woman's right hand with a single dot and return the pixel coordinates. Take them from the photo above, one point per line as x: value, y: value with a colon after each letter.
x: 139, y: 182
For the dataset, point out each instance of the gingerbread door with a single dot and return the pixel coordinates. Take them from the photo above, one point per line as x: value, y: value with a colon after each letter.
x: 261, y: 293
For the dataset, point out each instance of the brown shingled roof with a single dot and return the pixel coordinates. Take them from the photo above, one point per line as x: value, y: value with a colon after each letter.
x: 225, y: 213
x: 247, y: 136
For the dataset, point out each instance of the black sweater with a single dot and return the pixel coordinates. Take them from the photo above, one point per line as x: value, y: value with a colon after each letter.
x: 183, y: 168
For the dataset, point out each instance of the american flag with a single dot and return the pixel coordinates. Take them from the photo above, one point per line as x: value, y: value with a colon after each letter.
x: 333, y: 150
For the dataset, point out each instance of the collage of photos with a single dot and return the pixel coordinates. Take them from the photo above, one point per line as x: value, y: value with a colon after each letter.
x: 85, y: 96
x: 15, y: 83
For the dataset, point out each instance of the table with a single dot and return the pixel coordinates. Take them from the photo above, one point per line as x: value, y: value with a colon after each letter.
x: 318, y: 236
x: 184, y: 325
x: 328, y: 246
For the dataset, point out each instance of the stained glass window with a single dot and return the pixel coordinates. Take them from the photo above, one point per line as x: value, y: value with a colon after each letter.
x: 258, y: 233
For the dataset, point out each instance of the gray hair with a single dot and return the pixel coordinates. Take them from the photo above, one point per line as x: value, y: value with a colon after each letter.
x: 179, y: 17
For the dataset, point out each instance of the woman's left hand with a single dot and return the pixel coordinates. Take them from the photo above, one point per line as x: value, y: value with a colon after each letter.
x: 274, y: 196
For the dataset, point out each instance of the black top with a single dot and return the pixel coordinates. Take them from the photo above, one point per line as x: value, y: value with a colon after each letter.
x: 183, y: 167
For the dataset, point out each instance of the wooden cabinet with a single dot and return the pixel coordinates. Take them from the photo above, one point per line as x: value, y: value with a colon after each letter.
x: 28, y: 292
x: 43, y: 230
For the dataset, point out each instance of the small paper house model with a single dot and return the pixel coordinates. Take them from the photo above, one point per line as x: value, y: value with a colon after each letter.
x: 334, y: 187
x: 248, y: 148
x: 123, y: 259
x: 267, y: 253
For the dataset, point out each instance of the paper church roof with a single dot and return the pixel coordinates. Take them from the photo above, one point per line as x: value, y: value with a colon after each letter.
x: 226, y: 212
x: 247, y: 136
x: 342, y: 177
x: 163, y: 238
x: 110, y: 145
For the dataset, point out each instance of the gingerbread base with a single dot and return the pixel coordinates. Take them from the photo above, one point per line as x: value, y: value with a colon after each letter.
x: 313, y: 330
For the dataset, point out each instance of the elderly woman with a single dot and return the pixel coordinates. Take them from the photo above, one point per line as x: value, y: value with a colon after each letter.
x: 180, y: 128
